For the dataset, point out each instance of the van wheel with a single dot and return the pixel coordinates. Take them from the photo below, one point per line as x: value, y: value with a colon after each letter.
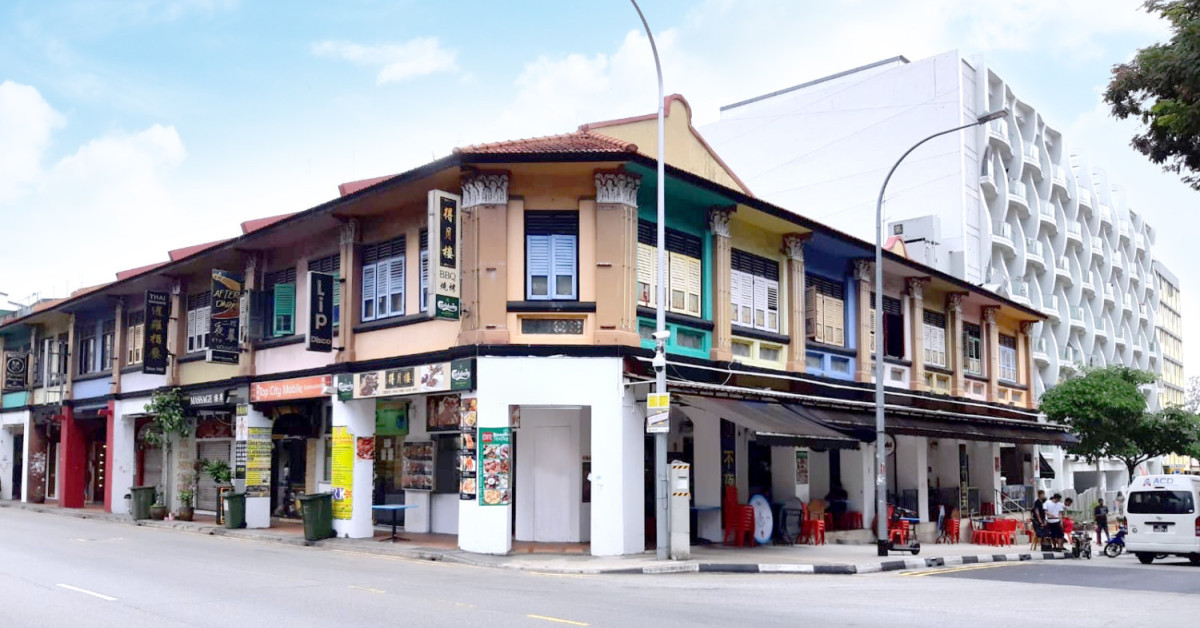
x: 1144, y: 558
x: 1194, y: 559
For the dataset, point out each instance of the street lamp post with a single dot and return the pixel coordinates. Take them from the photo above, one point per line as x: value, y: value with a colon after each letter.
x: 881, y: 527
x: 660, y: 333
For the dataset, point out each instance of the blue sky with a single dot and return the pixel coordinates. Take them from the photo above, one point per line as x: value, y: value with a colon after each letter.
x: 128, y: 127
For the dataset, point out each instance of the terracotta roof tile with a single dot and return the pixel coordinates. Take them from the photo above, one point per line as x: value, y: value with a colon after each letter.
x: 186, y: 251
x: 122, y: 275
x: 259, y: 223
x: 346, y: 189
x: 577, y: 142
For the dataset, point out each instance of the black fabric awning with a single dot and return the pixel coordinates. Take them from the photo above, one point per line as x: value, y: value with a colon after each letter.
x: 959, y: 426
x: 1045, y: 471
x: 771, y: 423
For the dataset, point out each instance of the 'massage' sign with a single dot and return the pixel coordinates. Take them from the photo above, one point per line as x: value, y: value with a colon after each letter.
x: 320, y: 312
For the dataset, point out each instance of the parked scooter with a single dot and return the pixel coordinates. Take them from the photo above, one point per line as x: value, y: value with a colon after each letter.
x: 1116, y: 544
x: 1081, y: 542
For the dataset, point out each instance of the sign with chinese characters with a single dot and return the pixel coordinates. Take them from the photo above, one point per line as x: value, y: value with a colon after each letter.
x: 409, y: 380
x: 16, y: 370
x: 319, y: 336
x: 224, y: 335
x: 154, y: 334
x: 288, y: 389
x: 342, y: 472
x: 444, y: 273
x: 495, y: 466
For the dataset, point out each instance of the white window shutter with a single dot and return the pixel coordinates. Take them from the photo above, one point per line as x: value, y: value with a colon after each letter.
x: 537, y: 267
x: 647, y: 275
x: 563, y: 265
x: 760, y: 303
x: 396, y: 287
x: 676, y: 283
x: 141, y: 341
x: 368, y: 292
x: 191, y: 331
x: 383, y: 272
x: 202, y: 320
x: 695, y: 281
x: 741, y: 294
x: 772, y: 304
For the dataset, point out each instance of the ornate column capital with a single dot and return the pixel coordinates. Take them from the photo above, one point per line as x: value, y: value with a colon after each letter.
x: 617, y: 186
x: 916, y: 286
x: 348, y: 233
x: 485, y: 187
x: 793, y: 245
x: 1027, y: 327
x: 989, y: 314
x: 718, y: 219
x: 955, y: 302
x: 864, y: 269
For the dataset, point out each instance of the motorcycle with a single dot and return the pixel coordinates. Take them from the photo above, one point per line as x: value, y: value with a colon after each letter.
x: 1116, y: 544
x: 1081, y: 542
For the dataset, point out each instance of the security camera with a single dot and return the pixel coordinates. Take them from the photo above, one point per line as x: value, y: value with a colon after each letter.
x: 659, y: 362
x: 662, y: 336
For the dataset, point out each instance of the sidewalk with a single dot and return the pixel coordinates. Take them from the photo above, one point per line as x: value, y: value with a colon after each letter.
x: 799, y: 559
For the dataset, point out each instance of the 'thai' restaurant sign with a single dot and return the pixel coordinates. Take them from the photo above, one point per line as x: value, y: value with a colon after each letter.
x: 288, y: 389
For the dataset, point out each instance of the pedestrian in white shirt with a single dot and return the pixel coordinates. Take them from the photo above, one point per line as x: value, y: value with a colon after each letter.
x: 1054, y: 523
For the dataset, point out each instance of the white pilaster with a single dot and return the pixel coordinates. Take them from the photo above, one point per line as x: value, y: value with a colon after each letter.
x: 617, y: 512
x: 6, y: 461
x: 706, y: 474
x: 858, y: 479
x: 486, y: 529
x: 912, y: 470
x: 358, y: 417
x: 124, y: 452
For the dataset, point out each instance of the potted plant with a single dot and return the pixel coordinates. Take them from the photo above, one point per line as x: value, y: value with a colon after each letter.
x: 167, y: 421
x: 187, y: 496
x: 221, y: 475
x: 158, y: 510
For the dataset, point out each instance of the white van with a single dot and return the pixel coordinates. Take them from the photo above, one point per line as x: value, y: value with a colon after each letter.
x: 1162, y: 516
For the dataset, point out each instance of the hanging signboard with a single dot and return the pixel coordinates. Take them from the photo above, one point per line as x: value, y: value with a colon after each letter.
x: 224, y: 337
x: 319, y: 336
x: 495, y: 466
x: 409, y: 380
x: 16, y: 370
x: 444, y: 273
x: 154, y: 334
x: 342, y: 472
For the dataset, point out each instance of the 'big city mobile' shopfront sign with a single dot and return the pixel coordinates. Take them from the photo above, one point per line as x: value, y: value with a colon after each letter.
x: 438, y: 377
x: 290, y: 389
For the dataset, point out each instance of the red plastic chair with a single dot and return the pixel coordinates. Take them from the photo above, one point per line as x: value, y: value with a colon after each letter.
x: 851, y: 521
x: 952, y: 530
x: 900, y: 532
x: 747, y: 529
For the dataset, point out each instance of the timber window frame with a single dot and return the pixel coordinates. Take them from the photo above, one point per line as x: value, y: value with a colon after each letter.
x: 754, y: 291
x: 199, y: 309
x: 824, y: 310
x: 552, y: 255
x: 383, y: 280
x: 684, y: 273
x: 935, y: 338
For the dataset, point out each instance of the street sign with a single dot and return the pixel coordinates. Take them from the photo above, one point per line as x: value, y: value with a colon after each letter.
x: 658, y: 413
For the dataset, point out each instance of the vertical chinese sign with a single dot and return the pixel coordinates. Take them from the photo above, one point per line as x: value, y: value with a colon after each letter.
x: 224, y: 337
x: 444, y: 276
x: 154, y: 334
x: 342, y: 472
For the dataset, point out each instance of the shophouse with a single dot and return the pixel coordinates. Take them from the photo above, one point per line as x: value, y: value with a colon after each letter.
x: 472, y: 338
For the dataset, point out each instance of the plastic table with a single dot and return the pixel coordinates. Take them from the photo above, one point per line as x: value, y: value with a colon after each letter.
x: 394, y: 508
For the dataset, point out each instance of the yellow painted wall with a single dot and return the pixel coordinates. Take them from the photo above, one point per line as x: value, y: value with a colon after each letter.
x: 200, y: 371
x: 405, y: 340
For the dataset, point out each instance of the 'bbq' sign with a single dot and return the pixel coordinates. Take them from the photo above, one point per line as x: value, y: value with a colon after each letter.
x: 444, y: 271
x: 319, y: 336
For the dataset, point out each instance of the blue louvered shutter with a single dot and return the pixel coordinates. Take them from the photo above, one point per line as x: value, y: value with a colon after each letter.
x: 396, y: 287
x: 537, y: 267
x: 285, y: 309
x: 382, y: 282
x: 564, y: 267
x: 368, y: 292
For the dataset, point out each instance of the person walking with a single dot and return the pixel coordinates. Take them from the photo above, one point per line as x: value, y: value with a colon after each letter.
x: 1100, y: 512
x: 1038, y: 515
x: 1054, y: 526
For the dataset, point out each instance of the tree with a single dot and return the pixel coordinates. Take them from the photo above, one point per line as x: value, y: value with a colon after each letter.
x: 1191, y: 400
x: 167, y: 420
x: 1106, y: 410
x: 1161, y: 87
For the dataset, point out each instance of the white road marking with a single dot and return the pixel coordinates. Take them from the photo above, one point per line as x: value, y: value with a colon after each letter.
x: 86, y: 592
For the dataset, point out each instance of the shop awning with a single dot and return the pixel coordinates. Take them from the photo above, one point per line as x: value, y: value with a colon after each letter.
x: 771, y: 423
x: 959, y: 426
x: 1045, y: 471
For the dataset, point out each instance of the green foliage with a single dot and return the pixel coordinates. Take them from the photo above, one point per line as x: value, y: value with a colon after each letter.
x: 218, y: 470
x: 1161, y: 87
x: 1107, y: 411
x: 187, y: 488
x: 167, y: 417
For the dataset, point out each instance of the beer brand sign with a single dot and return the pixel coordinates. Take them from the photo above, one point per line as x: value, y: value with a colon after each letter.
x: 409, y: 380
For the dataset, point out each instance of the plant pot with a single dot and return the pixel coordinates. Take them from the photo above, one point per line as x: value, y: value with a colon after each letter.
x: 158, y: 513
x: 185, y: 513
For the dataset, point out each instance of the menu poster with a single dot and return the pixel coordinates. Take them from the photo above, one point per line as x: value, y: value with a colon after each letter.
x: 495, y: 466
x: 442, y: 415
x: 468, y: 462
x: 239, y: 460
x: 365, y: 448
x: 342, y: 472
x: 417, y: 471
x: 258, y: 462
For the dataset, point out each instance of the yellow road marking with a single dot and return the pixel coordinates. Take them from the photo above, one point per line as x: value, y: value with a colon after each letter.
x: 557, y: 620
x: 922, y: 574
x: 368, y: 589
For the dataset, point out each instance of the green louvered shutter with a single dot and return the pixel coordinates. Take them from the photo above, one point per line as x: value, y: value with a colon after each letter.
x: 285, y: 309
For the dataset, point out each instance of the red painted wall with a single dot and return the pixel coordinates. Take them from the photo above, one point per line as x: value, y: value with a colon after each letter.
x: 74, y: 459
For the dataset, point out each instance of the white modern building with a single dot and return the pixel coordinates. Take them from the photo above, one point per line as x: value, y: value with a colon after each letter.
x: 1009, y: 205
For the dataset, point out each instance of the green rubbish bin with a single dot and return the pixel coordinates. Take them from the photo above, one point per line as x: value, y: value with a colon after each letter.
x: 318, y: 516
x: 235, y: 510
x: 143, y: 499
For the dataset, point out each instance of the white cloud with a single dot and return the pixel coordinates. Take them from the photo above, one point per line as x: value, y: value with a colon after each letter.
x: 118, y: 185
x: 26, y: 122
x: 397, y: 62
